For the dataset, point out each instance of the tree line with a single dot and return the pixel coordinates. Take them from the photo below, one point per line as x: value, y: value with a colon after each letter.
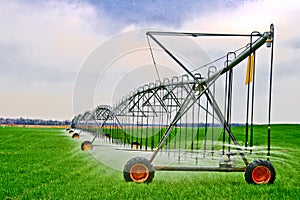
x: 33, y: 121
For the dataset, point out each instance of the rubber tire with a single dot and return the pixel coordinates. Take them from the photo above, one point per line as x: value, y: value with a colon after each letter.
x: 133, y: 162
x: 86, y: 146
x: 257, y: 163
x: 135, y: 145
x: 75, y: 136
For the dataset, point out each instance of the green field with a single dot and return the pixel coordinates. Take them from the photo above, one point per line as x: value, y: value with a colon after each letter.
x: 39, y: 163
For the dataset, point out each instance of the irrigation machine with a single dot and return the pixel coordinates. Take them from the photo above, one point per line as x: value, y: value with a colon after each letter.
x: 180, y: 123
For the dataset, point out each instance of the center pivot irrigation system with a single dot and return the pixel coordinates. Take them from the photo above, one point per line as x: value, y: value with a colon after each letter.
x: 180, y: 121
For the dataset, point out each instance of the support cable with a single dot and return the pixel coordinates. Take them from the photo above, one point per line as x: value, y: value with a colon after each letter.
x: 153, y: 59
x: 252, y: 105
x: 270, y: 91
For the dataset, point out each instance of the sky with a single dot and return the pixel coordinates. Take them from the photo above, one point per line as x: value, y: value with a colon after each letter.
x: 45, y: 44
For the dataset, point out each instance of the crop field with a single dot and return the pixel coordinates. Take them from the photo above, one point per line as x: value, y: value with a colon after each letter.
x: 46, y: 163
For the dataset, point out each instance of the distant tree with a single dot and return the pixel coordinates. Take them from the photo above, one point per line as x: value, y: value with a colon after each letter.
x: 24, y: 121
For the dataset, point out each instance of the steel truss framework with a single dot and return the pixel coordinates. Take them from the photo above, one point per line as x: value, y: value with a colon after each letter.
x: 181, y: 116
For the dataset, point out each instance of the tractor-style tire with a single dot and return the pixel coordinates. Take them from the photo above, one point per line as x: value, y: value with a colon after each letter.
x: 86, y: 146
x: 71, y: 132
x: 260, y: 172
x: 75, y: 136
x: 139, y: 170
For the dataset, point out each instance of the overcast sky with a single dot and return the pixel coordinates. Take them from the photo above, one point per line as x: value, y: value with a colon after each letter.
x: 43, y: 45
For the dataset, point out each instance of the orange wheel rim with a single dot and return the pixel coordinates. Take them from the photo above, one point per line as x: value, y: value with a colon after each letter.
x: 139, y: 173
x: 261, y: 175
x: 87, y: 147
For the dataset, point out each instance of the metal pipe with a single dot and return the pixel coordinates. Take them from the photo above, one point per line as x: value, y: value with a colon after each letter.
x: 270, y: 93
x: 257, y: 44
x: 197, y: 34
x: 199, y: 168
x: 225, y: 124
x: 186, y: 105
x: 172, y: 56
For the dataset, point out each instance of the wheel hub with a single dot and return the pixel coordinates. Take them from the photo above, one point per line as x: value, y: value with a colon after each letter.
x: 139, y: 173
x: 261, y: 175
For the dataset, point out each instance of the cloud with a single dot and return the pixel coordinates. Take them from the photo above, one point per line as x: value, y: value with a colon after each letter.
x: 166, y: 13
x: 258, y: 15
x: 44, y: 43
x: 47, y: 35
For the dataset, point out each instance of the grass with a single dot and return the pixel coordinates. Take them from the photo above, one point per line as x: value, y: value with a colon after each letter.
x: 47, y: 164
